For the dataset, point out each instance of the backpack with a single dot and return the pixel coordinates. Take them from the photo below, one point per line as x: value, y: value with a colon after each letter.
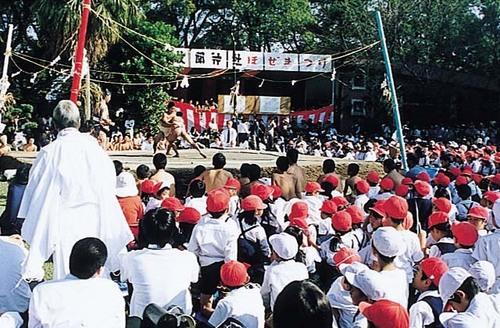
x: 248, y: 251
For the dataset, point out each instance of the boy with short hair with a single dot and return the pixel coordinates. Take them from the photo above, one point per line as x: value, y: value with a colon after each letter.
x: 213, y: 241
x: 465, y: 236
x: 429, y: 305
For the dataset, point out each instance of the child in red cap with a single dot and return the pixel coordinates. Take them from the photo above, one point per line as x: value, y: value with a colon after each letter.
x: 440, y: 232
x: 314, y: 201
x: 426, y: 310
x: 243, y: 301
x: 465, y: 236
x: 361, y: 189
x: 214, y: 241
x: 385, y: 314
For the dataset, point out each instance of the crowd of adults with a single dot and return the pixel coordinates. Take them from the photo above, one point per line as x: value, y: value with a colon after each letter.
x: 415, y: 248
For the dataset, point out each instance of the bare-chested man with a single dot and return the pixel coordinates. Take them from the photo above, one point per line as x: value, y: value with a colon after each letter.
x: 172, y: 127
x: 286, y: 181
x: 217, y: 177
x: 160, y: 163
x: 296, y: 170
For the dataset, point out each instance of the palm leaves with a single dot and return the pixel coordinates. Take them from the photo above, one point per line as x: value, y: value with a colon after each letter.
x: 58, y: 22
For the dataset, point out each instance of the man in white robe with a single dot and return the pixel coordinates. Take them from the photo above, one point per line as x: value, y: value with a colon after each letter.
x: 71, y: 195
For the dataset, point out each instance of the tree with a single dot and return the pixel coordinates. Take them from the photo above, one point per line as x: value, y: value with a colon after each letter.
x: 58, y: 22
x: 153, y: 68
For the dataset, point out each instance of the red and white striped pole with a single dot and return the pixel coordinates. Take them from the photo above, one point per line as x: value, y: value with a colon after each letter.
x: 77, y: 74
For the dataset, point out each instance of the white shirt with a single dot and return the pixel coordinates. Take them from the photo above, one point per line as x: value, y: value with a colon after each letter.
x: 278, y: 209
x: 434, y: 249
x: 314, y: 203
x: 483, y: 312
x: 360, y: 202
x: 228, y: 137
x: 396, y: 286
x: 461, y: 257
x: 214, y: 240
x: 373, y: 192
x: 383, y: 196
x: 75, y: 303
x: 71, y: 195
x: 152, y: 204
x: 10, y: 320
x: 200, y: 204
x: 243, y: 127
x: 488, y: 249
x: 243, y: 304
x: 421, y: 312
x: 15, y: 292
x: 277, y: 276
x: 412, y: 255
x: 340, y: 299
x: 347, y: 240
x: 160, y: 276
x: 234, y: 207
x: 146, y: 146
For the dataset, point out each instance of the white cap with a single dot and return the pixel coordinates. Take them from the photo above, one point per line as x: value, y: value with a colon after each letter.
x: 369, y: 281
x: 355, y: 267
x: 484, y: 274
x: 388, y: 241
x: 125, y: 185
x: 284, y: 245
x: 496, y: 212
x: 450, y: 282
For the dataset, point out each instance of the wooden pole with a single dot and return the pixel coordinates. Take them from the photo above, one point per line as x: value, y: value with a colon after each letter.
x: 77, y: 74
x: 4, y: 81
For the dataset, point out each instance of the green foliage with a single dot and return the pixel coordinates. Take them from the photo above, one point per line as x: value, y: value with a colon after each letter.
x: 146, y: 103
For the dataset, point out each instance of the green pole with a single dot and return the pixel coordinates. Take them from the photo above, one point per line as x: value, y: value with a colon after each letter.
x: 392, y: 88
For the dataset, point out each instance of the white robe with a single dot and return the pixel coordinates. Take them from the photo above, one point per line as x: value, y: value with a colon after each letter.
x: 70, y: 196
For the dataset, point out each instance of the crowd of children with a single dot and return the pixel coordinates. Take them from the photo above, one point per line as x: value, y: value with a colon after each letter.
x: 375, y: 251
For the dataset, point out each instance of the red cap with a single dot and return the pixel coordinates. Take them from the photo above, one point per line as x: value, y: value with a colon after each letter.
x: 442, y: 179
x: 477, y: 178
x: 422, y: 188
x: 340, y: 201
x: 299, y: 223
x: 147, y: 187
x: 299, y: 210
x: 437, y: 218
x: 172, y: 204
x: 486, y: 158
x: 341, y: 221
x: 312, y: 187
x: 467, y: 171
x: 402, y: 190
x: 357, y: 216
x: 396, y: 207
x: 496, y: 159
x: 158, y: 186
x: 329, y: 207
x: 385, y: 314
x: 461, y: 181
x: 442, y: 204
x: 434, y: 268
x: 386, y: 184
x: 478, y: 212
x: 372, y: 177
x: 455, y: 171
x: 189, y: 215
x: 262, y: 190
x: 379, y: 207
x: 346, y: 255
x: 276, y: 191
x: 217, y: 201
x: 252, y: 203
x: 407, y: 181
x: 234, y: 274
x: 495, y: 179
x: 491, y: 196
x: 423, y: 176
x: 362, y: 187
x: 232, y: 183
x: 332, y: 179
x: 465, y: 233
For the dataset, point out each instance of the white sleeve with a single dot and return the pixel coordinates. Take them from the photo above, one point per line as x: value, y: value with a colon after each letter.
x: 434, y: 251
x: 193, y: 246
x: 420, y: 315
x: 231, y: 249
x: 34, y: 320
x: 220, y: 314
x: 480, y: 252
x: 265, y: 290
x: 11, y: 320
